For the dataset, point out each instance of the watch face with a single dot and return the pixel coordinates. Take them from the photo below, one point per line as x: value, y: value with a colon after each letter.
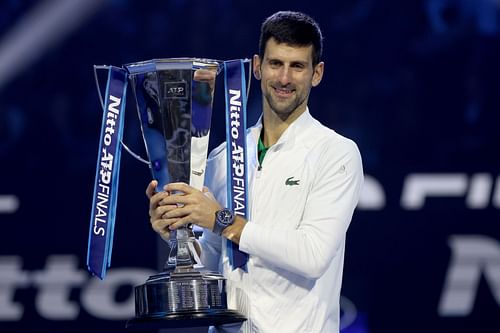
x: 225, y: 216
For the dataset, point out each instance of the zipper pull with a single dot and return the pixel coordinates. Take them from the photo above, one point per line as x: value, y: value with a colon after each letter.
x: 259, y: 170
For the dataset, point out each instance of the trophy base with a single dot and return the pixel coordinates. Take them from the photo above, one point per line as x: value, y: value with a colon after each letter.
x: 190, y: 319
x: 183, y: 298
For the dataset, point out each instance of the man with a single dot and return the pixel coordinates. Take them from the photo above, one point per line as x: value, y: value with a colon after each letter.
x: 305, y: 181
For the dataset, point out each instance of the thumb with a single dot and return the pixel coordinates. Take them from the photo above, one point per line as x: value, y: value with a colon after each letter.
x: 208, y: 194
x: 151, y: 189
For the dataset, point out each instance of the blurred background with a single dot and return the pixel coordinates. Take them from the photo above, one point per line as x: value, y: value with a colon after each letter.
x: 415, y: 83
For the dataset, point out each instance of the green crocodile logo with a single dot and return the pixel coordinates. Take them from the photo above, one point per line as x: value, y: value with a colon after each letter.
x: 291, y: 182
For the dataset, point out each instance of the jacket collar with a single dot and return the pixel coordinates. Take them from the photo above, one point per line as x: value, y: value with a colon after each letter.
x: 289, y: 135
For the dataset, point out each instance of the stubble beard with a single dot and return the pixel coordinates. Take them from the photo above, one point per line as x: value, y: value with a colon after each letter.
x: 283, y: 110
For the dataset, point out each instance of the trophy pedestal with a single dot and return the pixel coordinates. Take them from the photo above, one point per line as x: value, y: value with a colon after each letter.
x: 182, y: 299
x: 192, y: 319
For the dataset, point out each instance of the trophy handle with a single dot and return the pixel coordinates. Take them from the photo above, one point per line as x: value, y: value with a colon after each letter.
x: 182, y: 254
x: 130, y: 151
x: 172, y: 255
x: 249, y: 61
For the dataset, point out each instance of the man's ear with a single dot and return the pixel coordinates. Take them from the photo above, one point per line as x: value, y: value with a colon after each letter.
x: 318, y: 74
x: 256, y: 67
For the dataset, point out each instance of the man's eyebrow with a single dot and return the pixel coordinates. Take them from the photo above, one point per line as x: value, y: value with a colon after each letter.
x: 274, y: 59
x: 293, y: 62
x: 299, y: 62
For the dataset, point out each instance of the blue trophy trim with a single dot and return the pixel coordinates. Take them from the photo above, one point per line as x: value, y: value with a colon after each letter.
x: 234, y: 79
x: 100, y: 246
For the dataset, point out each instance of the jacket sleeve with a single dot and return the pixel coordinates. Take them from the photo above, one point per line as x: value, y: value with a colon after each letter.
x: 309, y: 249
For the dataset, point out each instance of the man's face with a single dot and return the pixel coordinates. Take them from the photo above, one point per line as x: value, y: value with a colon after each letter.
x: 287, y: 76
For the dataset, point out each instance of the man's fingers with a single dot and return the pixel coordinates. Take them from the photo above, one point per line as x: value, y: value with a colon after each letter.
x: 162, y: 225
x: 181, y: 187
x: 151, y: 189
x: 204, y: 75
x: 158, y: 212
x: 176, y: 199
x: 164, y: 234
x: 179, y: 223
x: 156, y: 198
x: 178, y: 212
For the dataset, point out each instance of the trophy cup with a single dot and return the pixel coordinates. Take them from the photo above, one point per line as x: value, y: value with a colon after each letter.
x: 174, y: 109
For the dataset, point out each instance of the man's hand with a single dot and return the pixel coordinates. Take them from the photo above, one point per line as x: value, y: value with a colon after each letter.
x: 191, y: 206
x: 157, y: 210
x: 206, y: 75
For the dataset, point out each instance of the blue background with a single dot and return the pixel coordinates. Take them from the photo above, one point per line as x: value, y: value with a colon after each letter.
x: 415, y: 83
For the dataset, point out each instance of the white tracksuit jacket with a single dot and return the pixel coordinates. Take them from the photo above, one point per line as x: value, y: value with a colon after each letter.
x: 295, y: 234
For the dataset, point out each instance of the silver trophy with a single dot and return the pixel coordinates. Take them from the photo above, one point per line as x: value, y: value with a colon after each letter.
x: 175, y: 110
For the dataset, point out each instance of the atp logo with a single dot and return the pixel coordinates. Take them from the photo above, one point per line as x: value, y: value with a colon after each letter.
x: 175, y: 90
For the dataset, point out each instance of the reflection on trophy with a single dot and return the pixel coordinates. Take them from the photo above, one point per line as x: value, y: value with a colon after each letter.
x: 174, y: 100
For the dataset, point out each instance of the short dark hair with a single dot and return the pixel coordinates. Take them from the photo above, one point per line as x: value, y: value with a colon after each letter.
x: 293, y: 28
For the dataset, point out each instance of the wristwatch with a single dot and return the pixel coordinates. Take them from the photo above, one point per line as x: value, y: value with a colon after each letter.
x: 223, y: 219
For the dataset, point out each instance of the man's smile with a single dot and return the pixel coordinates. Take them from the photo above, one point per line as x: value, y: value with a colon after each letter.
x: 283, y: 92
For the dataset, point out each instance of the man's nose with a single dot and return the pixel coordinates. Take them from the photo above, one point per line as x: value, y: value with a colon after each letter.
x: 284, y: 75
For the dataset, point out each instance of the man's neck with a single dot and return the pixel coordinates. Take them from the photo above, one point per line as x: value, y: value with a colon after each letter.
x: 274, y: 125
